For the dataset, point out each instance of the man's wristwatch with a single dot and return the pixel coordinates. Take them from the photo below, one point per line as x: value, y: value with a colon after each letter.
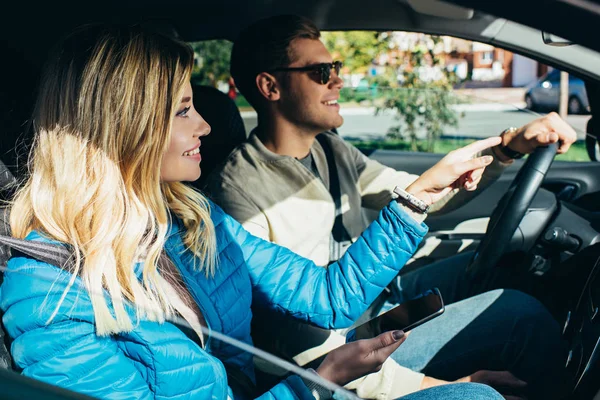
x: 410, y: 201
x: 508, y: 152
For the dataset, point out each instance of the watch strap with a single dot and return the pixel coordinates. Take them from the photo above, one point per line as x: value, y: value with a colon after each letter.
x: 507, y: 151
x: 411, y: 201
x: 510, y: 153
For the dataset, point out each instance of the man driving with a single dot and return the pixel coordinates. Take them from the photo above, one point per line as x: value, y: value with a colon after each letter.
x: 296, y: 183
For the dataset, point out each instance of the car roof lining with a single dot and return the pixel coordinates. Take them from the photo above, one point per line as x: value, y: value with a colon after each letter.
x: 225, y: 19
x: 398, y: 15
x: 576, y: 59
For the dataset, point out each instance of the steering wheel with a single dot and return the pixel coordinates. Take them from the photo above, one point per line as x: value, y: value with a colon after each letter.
x: 508, y: 215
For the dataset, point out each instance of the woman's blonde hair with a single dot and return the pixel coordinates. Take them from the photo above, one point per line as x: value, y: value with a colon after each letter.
x: 102, y: 123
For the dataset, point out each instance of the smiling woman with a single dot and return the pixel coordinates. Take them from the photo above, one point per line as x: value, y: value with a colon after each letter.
x: 80, y: 139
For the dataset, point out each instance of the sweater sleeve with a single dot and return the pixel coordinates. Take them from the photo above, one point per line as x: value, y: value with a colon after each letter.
x: 376, y: 181
x: 336, y: 296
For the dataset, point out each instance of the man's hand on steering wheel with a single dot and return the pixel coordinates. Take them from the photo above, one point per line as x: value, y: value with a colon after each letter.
x: 543, y: 131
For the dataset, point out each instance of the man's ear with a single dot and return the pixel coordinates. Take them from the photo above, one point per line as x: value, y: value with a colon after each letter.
x: 268, y: 86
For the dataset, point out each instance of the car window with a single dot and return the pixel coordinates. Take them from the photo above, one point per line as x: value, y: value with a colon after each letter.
x: 422, y: 93
x: 552, y: 76
x: 433, y: 94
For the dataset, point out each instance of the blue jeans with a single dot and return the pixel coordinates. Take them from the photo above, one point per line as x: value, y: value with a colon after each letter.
x: 459, y: 391
x: 496, y: 330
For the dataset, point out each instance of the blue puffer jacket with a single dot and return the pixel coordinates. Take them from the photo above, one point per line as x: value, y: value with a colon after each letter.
x: 157, y: 361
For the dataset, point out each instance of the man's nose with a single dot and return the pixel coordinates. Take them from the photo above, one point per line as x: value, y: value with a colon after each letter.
x: 335, y: 81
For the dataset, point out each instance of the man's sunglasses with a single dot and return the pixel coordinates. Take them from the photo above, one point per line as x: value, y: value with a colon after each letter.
x: 323, y: 69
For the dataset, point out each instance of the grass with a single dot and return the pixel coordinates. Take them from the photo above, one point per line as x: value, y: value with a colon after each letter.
x: 576, y: 153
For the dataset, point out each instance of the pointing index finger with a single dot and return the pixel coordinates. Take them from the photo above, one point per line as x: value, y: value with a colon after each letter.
x: 481, y: 145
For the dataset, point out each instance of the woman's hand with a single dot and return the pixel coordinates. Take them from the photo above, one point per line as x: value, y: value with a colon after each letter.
x: 356, y: 359
x: 458, y: 169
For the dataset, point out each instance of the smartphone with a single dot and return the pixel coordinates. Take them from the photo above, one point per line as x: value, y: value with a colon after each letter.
x: 405, y: 316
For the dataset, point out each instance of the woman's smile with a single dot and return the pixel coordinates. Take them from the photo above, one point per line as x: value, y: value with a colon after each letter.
x: 193, y: 153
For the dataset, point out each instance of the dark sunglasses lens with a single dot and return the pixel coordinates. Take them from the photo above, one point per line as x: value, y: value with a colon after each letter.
x: 325, y: 70
x: 337, y: 66
x: 325, y: 74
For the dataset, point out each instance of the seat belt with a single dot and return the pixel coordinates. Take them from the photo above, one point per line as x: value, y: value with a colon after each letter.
x: 54, y: 254
x: 339, y: 233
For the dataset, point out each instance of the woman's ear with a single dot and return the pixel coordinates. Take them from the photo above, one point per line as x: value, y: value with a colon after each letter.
x: 268, y: 86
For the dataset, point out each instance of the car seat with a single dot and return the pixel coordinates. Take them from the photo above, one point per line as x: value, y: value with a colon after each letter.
x: 7, y: 182
x: 16, y: 102
x: 227, y: 128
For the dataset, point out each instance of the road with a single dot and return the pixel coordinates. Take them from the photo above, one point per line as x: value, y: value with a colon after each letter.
x: 477, y: 121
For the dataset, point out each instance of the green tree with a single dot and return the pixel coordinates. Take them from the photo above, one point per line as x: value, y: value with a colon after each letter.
x: 212, y: 61
x: 423, y: 106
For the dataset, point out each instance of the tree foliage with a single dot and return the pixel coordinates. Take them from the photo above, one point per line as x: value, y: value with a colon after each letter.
x: 357, y: 49
x: 212, y: 61
x: 422, y: 104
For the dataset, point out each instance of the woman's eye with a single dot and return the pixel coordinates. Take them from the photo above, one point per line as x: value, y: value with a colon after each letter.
x: 183, y: 113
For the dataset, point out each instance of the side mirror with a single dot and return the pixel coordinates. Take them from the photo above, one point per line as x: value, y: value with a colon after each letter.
x: 556, y: 41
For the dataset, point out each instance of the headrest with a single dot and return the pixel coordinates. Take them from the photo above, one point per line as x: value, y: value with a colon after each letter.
x: 8, y: 184
x: 227, y: 128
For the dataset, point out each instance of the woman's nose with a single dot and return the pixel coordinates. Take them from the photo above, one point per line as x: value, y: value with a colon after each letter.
x: 203, y: 127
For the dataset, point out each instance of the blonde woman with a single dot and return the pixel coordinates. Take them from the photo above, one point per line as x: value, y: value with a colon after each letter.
x: 116, y: 134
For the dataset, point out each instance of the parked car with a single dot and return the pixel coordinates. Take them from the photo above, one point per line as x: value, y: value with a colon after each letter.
x: 545, y: 94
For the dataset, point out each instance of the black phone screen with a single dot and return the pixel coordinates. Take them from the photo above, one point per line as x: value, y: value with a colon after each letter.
x: 405, y: 316
x: 408, y: 313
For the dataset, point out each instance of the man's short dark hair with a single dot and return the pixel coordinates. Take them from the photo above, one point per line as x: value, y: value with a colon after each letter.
x: 264, y: 46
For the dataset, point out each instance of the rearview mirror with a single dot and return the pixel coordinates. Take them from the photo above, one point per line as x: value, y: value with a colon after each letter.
x: 553, y: 40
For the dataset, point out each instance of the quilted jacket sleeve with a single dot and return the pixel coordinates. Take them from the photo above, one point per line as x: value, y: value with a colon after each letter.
x: 66, y: 352
x: 292, y: 388
x: 336, y: 296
